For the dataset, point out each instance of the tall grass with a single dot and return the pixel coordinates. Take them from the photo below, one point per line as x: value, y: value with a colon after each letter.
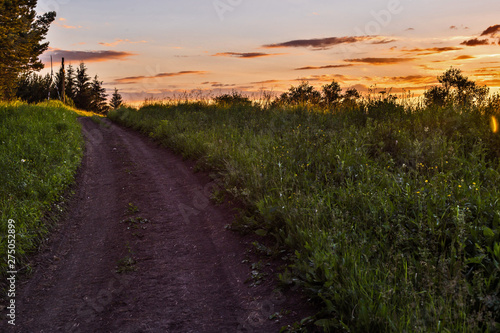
x: 40, y: 150
x: 392, y: 211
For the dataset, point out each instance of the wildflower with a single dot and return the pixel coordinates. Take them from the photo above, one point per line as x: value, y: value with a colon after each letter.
x: 426, y: 181
x: 23, y: 160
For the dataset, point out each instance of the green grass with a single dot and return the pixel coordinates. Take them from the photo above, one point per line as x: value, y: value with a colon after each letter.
x: 40, y: 150
x: 393, y: 212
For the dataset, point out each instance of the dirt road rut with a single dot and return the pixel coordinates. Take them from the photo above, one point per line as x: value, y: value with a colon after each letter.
x: 142, y: 249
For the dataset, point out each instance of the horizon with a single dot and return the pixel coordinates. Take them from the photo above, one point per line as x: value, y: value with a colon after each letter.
x: 223, y: 45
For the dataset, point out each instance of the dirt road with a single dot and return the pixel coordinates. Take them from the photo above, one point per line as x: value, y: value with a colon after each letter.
x: 142, y: 249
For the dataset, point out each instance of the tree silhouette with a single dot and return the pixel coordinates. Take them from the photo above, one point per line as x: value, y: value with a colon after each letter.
x: 332, y: 93
x: 455, y: 89
x: 83, y: 97
x: 98, y: 96
x: 116, y: 100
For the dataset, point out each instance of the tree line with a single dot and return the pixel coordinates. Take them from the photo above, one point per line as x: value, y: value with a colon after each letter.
x: 80, y: 90
x: 22, y: 35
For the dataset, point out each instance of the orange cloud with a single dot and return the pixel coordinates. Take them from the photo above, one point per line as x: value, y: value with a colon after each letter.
x: 464, y: 57
x: 65, y: 26
x: 121, y: 41
x: 246, y: 55
x: 266, y: 82
x: 320, y: 43
x: 86, y: 56
x: 323, y: 67
x: 380, y: 61
x: 434, y: 50
x: 134, y: 79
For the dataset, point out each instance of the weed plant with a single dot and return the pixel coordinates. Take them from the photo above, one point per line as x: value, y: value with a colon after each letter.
x: 392, y: 209
x: 40, y: 150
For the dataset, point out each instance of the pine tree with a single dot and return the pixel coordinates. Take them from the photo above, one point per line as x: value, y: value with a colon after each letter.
x: 21, y: 36
x: 70, y: 83
x: 98, y: 96
x: 116, y: 100
x: 83, y: 96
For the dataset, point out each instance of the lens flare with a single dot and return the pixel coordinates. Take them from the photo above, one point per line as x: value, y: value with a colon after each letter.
x: 494, y: 124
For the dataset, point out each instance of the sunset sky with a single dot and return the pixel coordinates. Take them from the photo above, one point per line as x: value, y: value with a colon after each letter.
x: 154, y: 49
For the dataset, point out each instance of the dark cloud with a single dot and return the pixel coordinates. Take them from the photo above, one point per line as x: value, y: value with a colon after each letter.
x: 434, y: 50
x: 384, y: 41
x: 86, y: 56
x: 321, y: 43
x: 246, y: 55
x: 323, y: 67
x: 413, y: 79
x: 326, y: 78
x: 380, y: 61
x: 491, y: 30
x: 218, y: 84
x: 410, y: 29
x: 475, y: 42
x: 453, y: 27
x: 134, y: 79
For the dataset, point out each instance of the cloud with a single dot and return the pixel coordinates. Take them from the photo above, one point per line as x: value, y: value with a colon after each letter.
x: 475, y: 42
x: 434, y: 50
x: 323, y: 67
x: 453, y: 27
x: 134, y: 79
x: 320, y: 43
x: 266, y: 82
x: 491, y: 30
x: 218, y: 84
x: 65, y: 26
x: 384, y: 41
x: 121, y: 41
x: 380, y: 61
x: 464, y: 57
x: 248, y: 55
x: 86, y: 56
x: 413, y: 79
x: 410, y: 29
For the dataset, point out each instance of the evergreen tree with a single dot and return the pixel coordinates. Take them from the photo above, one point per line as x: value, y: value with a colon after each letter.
x: 116, y: 100
x: 83, y: 96
x: 70, y: 83
x: 98, y: 96
x: 32, y: 87
x: 58, y: 83
x: 21, y: 36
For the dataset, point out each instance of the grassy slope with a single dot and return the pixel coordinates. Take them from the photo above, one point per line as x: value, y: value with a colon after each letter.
x: 394, y: 215
x: 40, y: 150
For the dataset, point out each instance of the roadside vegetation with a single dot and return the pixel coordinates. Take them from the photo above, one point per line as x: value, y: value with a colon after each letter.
x: 40, y: 151
x: 390, y: 208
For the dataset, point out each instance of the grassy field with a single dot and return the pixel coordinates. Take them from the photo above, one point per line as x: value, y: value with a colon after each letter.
x: 392, y: 212
x: 40, y: 151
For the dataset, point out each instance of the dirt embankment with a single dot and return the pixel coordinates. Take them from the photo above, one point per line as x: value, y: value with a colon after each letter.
x: 142, y: 249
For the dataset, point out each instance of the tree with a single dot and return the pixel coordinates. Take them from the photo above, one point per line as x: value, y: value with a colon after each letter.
x: 32, y: 87
x: 83, y: 96
x: 116, y: 100
x: 456, y: 89
x: 21, y: 36
x: 70, y: 83
x: 98, y: 96
x: 332, y: 93
x: 302, y: 94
